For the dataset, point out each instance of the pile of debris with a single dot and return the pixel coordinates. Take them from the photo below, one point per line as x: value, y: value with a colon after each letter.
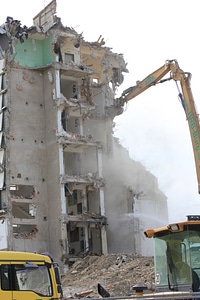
x: 116, y: 273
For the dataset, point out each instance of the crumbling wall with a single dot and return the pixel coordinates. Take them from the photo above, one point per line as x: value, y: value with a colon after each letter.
x: 133, y: 203
x: 27, y: 149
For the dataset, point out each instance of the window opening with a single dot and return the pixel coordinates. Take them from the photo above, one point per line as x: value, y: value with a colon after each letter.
x: 69, y: 57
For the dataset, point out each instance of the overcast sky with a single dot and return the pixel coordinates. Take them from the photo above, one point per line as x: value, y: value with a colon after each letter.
x: 153, y: 127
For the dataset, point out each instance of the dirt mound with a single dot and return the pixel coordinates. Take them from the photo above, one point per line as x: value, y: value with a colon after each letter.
x: 117, y: 273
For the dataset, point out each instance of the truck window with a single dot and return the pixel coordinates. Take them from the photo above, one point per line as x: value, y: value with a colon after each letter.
x: 5, y: 277
x: 28, y: 277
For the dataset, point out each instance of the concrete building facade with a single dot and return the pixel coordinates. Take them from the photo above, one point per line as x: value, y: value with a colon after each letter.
x: 67, y: 185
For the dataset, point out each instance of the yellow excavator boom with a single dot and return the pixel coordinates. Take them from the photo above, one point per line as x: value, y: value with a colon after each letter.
x: 186, y: 97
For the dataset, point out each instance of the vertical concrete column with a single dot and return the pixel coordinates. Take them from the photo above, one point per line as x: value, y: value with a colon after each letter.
x: 57, y: 73
x: 86, y: 236
x: 61, y: 158
x: 100, y: 173
x: 86, y: 229
x: 100, y: 161
x: 104, y: 240
x: 62, y: 169
x: 62, y: 192
x: 59, y: 122
x: 81, y: 126
x: 102, y: 201
x: 63, y: 204
x: 61, y: 165
x: 84, y: 201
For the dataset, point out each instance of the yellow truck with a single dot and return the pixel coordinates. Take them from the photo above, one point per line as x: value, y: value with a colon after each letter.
x: 29, y: 276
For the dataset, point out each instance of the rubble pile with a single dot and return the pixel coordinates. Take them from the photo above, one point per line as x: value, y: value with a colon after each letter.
x: 116, y: 273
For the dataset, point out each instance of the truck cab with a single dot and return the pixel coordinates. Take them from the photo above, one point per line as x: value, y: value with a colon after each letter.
x: 176, y: 256
x: 30, y: 276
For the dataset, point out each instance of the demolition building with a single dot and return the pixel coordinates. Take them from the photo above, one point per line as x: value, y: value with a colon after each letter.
x: 66, y: 184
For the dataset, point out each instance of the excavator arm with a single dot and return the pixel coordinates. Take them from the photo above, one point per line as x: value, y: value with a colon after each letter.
x: 186, y: 97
